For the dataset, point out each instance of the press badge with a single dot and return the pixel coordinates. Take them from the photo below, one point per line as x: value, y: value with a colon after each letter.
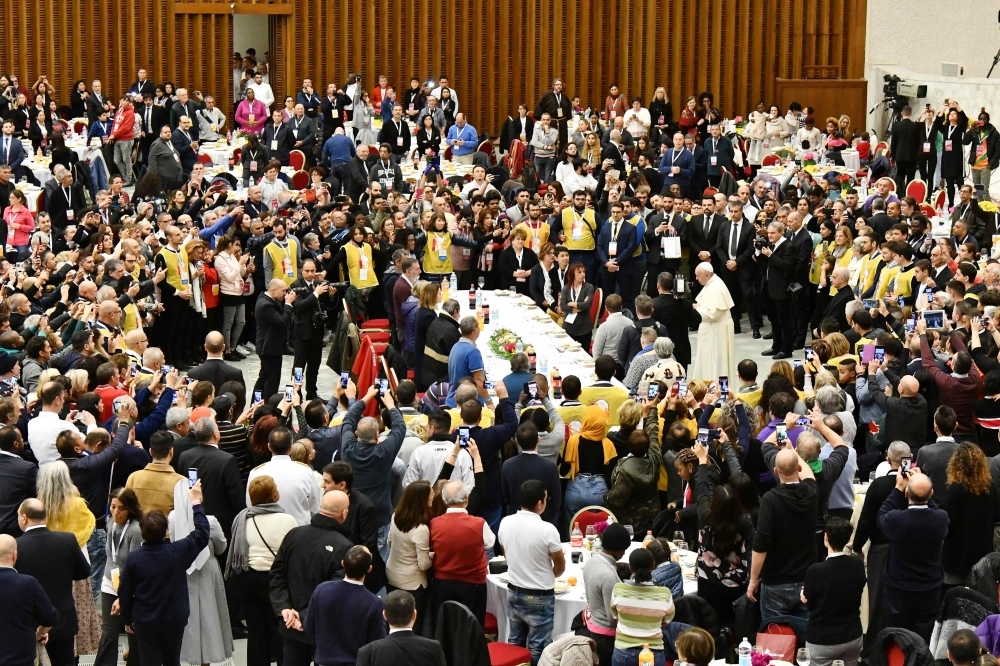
x: 274, y: 144
x: 577, y: 231
x: 927, y: 146
x: 612, y: 248
x: 947, y: 145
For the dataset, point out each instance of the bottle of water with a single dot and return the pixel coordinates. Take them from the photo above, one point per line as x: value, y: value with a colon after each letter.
x: 744, y: 652
x: 496, y: 314
x: 543, y: 366
x: 453, y: 283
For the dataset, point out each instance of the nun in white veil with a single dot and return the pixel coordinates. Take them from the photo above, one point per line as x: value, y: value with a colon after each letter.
x: 716, y: 352
x: 208, y: 636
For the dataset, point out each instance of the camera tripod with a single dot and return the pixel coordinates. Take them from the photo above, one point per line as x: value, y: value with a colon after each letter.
x: 893, y: 113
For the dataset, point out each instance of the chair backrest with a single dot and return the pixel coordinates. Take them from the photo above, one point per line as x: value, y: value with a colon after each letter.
x: 79, y: 126
x: 896, y: 656
x: 595, y: 306
x: 589, y: 515
x: 447, y: 154
x: 296, y: 159
x: 917, y: 189
x: 300, y: 180
x: 40, y: 202
x: 927, y: 209
x: 770, y: 160
x: 204, y: 158
x: 461, y: 636
x: 237, y: 154
x: 939, y: 200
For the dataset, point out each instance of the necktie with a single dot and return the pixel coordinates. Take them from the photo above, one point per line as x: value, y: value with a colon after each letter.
x: 149, y: 121
x: 708, y: 224
x: 734, y: 238
x: 6, y: 150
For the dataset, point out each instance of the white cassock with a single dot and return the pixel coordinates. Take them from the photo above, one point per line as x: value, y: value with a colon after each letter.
x: 716, y: 355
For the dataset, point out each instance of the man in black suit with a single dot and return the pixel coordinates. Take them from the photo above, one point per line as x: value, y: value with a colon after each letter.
x: 311, y: 303
x: 401, y: 645
x: 24, y: 623
x: 703, y: 237
x: 153, y: 118
x: 17, y: 479
x: 779, y: 273
x: 178, y: 425
x: 557, y: 274
x: 96, y: 102
x: 278, y: 138
x: 55, y: 560
x: 358, y: 173
x: 801, y: 242
x: 395, y: 133
x: 904, y: 147
x: 734, y: 252
x: 662, y: 224
x: 837, y: 307
x: 184, y: 107
x: 12, y: 150
x: 64, y: 199
x: 676, y: 314
x: 879, y: 221
x: 274, y: 316
x: 615, y: 152
x: 303, y: 129
x: 940, y: 272
x: 184, y: 141
x: 219, y: 472
x: 215, y: 369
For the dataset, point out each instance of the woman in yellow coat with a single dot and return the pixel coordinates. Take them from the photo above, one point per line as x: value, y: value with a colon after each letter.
x: 436, y: 258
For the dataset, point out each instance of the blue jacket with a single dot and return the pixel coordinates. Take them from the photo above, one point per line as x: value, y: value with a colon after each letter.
x: 468, y: 135
x: 372, y: 461
x: 338, y: 149
x: 916, y: 539
x: 310, y: 102
x: 628, y: 240
x: 342, y: 618
x: 684, y: 161
x: 490, y: 442
x: 217, y: 230
x: 145, y: 428
x: 153, y: 590
x: 668, y: 575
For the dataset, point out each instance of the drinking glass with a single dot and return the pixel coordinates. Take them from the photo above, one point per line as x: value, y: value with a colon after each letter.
x: 482, y: 281
x: 802, y: 657
x: 682, y: 545
x: 838, y: 662
x: 631, y: 532
x: 871, y: 477
x: 678, y: 538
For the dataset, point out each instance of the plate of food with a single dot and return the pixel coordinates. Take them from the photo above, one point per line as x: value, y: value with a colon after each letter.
x: 501, y: 292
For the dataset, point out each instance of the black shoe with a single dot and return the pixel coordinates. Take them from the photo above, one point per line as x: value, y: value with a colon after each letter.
x: 737, y: 330
x: 769, y: 336
x: 769, y: 352
x: 756, y: 334
x: 233, y: 357
x: 781, y: 355
x: 239, y: 631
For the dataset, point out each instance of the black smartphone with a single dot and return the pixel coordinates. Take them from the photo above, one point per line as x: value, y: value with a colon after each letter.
x: 463, y: 437
x: 297, y: 375
x: 167, y: 369
x: 383, y: 387
x: 289, y: 392
x: 905, y: 465
x: 192, y: 477
x: 781, y: 433
x: 489, y: 385
x: 703, y: 435
x: 724, y: 385
x: 256, y: 397
x: 533, y: 390
x: 344, y: 378
x: 809, y: 353
x: 901, y: 300
x: 869, y: 304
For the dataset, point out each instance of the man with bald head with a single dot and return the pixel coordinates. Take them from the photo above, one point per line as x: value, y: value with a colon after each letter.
x: 905, y: 409
x: 915, y: 527
x: 55, y: 560
x: 309, y: 555
x: 27, y: 622
x: 785, y: 545
x: 274, y: 315
x: 215, y: 369
x: 836, y: 308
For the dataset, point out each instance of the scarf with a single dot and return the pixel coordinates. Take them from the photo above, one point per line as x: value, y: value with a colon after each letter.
x: 238, y: 559
x: 595, y: 422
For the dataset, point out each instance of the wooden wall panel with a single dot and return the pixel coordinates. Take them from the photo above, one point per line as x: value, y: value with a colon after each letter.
x: 497, y: 53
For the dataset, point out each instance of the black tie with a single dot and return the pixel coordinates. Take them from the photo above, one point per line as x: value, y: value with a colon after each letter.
x: 708, y: 224
x: 734, y: 238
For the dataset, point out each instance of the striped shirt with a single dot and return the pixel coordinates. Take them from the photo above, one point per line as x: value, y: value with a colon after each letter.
x: 234, y: 440
x: 641, y: 609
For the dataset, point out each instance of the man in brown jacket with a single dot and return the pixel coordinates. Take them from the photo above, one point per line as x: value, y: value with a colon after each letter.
x: 154, y: 485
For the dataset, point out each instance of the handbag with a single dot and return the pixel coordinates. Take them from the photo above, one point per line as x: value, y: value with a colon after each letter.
x: 671, y: 247
x: 779, y: 641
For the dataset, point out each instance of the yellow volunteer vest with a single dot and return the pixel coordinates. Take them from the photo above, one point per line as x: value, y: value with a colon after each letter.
x: 536, y: 237
x: 580, y: 231
x: 641, y: 245
x: 132, y: 319
x: 752, y: 398
x: 438, y: 245
x: 868, y: 270
x: 358, y: 258
x: 572, y: 416
x: 819, y: 254
x: 887, y: 278
x: 485, y: 421
x: 904, y: 282
x: 176, y: 260
x: 608, y: 397
x: 279, y: 257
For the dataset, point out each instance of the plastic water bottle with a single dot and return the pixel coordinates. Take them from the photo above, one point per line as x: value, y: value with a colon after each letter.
x: 543, y: 366
x: 453, y: 283
x: 496, y: 314
x: 744, y: 652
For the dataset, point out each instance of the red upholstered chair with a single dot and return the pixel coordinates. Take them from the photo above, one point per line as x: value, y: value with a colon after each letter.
x: 505, y: 654
x: 377, y: 336
x: 595, y: 306
x: 486, y: 147
x: 40, y: 202
x: 204, y: 159
x: 770, y: 160
x: 939, y: 200
x: 379, y: 347
x: 447, y: 154
x: 300, y: 179
x: 590, y: 515
x: 79, y: 126
x: 237, y: 154
x: 917, y: 189
x: 490, y: 625
x: 927, y: 209
x: 895, y: 655
x: 297, y: 160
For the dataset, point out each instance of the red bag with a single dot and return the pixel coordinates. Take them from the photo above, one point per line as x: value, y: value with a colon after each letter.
x: 779, y: 640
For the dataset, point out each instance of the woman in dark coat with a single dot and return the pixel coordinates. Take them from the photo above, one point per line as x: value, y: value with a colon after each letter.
x: 575, y: 301
x: 516, y: 263
x: 951, y: 124
x: 971, y: 506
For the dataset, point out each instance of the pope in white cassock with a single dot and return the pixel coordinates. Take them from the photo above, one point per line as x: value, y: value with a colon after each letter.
x: 716, y: 355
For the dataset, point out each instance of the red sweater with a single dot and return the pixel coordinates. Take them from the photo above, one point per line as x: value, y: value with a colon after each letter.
x: 959, y: 393
x: 459, y: 553
x: 123, y: 128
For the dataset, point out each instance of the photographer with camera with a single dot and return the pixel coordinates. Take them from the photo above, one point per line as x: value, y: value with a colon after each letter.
x: 313, y: 299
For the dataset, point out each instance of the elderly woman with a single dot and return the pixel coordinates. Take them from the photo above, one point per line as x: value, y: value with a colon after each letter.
x: 653, y: 366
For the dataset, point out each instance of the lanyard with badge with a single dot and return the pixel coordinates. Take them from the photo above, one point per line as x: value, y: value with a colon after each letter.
x: 387, y: 176
x: 68, y: 193
x: 253, y: 160
x: 927, y: 138
x: 362, y: 263
x: 571, y: 317
x: 536, y: 241
x: 947, y: 143
x: 286, y: 263
x: 577, y: 226
x: 115, y: 572
x: 295, y: 130
x: 616, y: 228
x: 438, y: 245
x: 399, y: 133
x: 181, y: 267
x: 715, y: 150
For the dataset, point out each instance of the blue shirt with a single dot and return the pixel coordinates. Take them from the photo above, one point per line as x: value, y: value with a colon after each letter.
x: 514, y: 382
x: 466, y: 134
x: 464, y: 359
x: 338, y: 149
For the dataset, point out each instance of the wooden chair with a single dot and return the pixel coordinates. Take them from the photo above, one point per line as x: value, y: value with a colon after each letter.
x: 297, y: 160
x: 595, y: 306
x: 927, y: 209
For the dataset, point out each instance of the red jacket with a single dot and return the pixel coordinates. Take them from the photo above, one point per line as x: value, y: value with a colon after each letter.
x: 123, y: 128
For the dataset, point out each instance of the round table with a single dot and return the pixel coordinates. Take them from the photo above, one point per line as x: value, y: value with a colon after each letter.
x: 852, y: 160
x: 30, y: 194
x: 569, y: 604
x: 220, y: 151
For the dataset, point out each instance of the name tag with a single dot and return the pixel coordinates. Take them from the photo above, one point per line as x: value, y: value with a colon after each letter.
x: 274, y: 145
x: 947, y: 145
x: 182, y: 270
x: 286, y: 267
x: 613, y: 113
x: 411, y: 107
x: 250, y: 118
x: 980, y: 151
x: 927, y: 146
x: 215, y: 290
x: 177, y: 157
x: 70, y: 215
x: 214, y: 127
x: 662, y: 121
x: 577, y: 231
x: 386, y: 183
x: 559, y: 112
x: 714, y: 160
x: 399, y: 141
x: 536, y: 245
x: 570, y: 318
x: 363, y: 274
x: 253, y: 165
x: 274, y: 203
x: 466, y: 252
x: 295, y: 133
x: 612, y: 248
x: 116, y: 578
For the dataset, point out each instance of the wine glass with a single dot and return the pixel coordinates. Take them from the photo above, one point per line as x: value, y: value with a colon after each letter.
x: 630, y: 530
x: 591, y: 535
x: 482, y: 282
x: 678, y: 539
x: 871, y: 477
x: 802, y: 657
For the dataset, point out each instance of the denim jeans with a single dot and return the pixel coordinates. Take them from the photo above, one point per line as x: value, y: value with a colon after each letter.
x: 630, y: 657
x: 584, y: 490
x: 531, y: 619
x: 546, y: 169
x: 98, y: 556
x: 784, y: 599
x: 98, y: 175
x: 233, y: 321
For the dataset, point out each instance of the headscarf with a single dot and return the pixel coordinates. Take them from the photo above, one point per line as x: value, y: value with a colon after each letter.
x: 595, y: 423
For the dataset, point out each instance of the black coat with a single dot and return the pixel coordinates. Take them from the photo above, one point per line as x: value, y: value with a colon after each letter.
x: 402, y: 647
x: 802, y: 246
x: 675, y: 314
x: 441, y: 337
x: 836, y: 308
x: 222, y: 485
x: 536, y: 286
x: 612, y: 152
x: 391, y: 134
x: 216, y: 371
x: 511, y: 130
x: 654, y: 241
x: 17, y: 483
x: 55, y: 560
x: 780, y: 271
x: 744, y: 247
x: 309, y: 555
x: 508, y: 264
x: 357, y: 178
x: 905, y: 143
x: 309, y: 318
x: 20, y: 620
x: 952, y: 161
x: 699, y: 241
x: 992, y: 139
x: 183, y: 145
x: 279, y: 142
x: 273, y: 319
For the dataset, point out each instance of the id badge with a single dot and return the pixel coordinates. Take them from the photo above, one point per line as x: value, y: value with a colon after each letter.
x: 559, y: 112
x: 612, y: 248
x: 927, y: 146
x: 214, y: 127
x: 286, y: 267
x: 177, y: 157
x: 613, y: 113
x: 570, y: 318
x: 295, y: 133
x: 215, y: 290
x: 363, y: 274
x: 536, y: 245
x: 253, y: 165
x: 715, y: 160
x: 662, y: 121
x: 947, y: 145
x: 274, y: 145
x: 116, y: 578
x: 274, y: 204
x: 399, y: 141
x: 442, y: 253
x: 250, y: 118
x: 245, y: 287
x: 466, y: 252
x: 411, y: 107
x: 577, y: 231
x: 980, y: 150
x: 70, y: 214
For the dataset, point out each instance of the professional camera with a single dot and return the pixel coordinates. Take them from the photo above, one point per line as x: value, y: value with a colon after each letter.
x: 760, y: 242
x: 897, y: 91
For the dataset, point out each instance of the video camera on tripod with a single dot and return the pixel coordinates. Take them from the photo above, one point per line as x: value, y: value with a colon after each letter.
x: 897, y: 95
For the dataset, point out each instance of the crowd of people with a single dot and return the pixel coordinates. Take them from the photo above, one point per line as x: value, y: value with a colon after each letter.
x: 147, y: 488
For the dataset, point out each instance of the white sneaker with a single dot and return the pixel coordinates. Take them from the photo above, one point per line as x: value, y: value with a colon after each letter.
x: 243, y: 349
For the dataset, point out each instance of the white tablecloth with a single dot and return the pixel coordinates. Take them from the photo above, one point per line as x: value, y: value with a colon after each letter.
x: 852, y: 160
x: 31, y: 194
x: 220, y: 152
x: 42, y: 170
x: 568, y: 604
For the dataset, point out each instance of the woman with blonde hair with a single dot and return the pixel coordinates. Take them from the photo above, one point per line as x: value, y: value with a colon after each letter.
x: 972, y: 510
x: 591, y: 153
x: 49, y: 373
x: 839, y: 346
x: 661, y: 114
x: 66, y: 511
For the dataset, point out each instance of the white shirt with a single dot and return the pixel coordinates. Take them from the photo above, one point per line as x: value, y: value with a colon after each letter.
x: 573, y: 181
x: 488, y: 538
x: 298, y: 493
x: 427, y: 460
x: 263, y: 92
x: 42, y: 433
x: 528, y: 542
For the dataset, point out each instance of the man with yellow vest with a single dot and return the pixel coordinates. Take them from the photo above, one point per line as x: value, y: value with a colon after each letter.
x: 282, y: 256
x: 904, y: 278
x: 571, y: 410
x: 749, y: 392
x: 176, y: 296
x: 577, y: 229
x: 888, y: 276
x: 871, y: 265
x: 603, y: 392
x: 535, y: 227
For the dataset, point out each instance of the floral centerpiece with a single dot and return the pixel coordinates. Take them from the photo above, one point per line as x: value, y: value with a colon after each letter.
x: 784, y: 152
x: 761, y: 658
x: 740, y: 122
x: 845, y: 182
x: 503, y: 343
x: 809, y: 160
